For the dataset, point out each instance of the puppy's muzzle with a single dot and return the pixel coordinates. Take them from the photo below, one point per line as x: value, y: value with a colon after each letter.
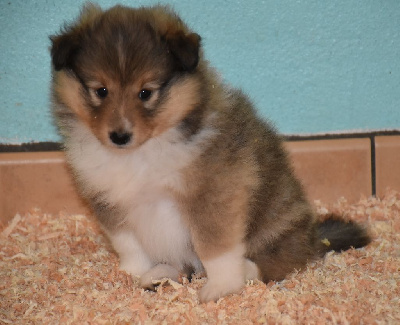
x: 120, y: 138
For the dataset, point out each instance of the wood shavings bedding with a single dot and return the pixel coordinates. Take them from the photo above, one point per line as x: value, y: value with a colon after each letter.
x: 62, y: 270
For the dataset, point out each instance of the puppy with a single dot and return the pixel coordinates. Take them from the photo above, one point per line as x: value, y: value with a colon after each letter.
x: 177, y: 166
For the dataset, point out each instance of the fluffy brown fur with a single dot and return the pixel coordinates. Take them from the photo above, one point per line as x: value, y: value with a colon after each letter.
x: 177, y: 166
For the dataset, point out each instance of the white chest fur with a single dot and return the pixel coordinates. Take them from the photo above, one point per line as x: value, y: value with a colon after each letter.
x: 140, y: 183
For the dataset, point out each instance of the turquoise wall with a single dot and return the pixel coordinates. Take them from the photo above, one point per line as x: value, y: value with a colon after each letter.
x: 310, y: 66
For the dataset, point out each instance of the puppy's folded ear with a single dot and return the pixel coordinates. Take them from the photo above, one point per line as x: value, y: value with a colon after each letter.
x: 184, y: 48
x: 63, y: 50
x: 66, y: 45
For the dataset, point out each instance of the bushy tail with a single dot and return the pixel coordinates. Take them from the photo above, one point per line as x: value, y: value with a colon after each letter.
x: 337, y: 234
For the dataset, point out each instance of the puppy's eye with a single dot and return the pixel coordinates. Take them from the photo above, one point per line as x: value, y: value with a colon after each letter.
x: 102, y: 92
x: 145, y: 94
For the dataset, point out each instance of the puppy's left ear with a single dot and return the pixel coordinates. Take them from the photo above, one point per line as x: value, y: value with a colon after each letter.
x: 185, y: 49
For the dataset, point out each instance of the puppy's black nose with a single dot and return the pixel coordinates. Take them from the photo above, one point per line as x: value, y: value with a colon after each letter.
x: 120, y: 138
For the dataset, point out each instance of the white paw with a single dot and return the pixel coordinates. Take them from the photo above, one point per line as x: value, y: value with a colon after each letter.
x: 214, y: 291
x: 226, y: 274
x: 134, y: 268
x: 159, y: 272
x: 132, y: 258
x: 251, y: 270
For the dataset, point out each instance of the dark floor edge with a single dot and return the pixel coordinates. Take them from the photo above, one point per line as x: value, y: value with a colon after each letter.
x: 56, y: 146
x: 31, y: 147
x: 333, y: 136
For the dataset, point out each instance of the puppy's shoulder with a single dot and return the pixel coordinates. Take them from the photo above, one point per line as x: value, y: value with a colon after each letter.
x: 241, y: 130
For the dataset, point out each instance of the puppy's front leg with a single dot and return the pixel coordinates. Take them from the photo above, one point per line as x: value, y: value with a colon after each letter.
x: 218, y: 222
x: 132, y: 257
x: 225, y: 273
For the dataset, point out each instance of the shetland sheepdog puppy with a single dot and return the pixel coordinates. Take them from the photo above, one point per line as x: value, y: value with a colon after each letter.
x: 178, y: 168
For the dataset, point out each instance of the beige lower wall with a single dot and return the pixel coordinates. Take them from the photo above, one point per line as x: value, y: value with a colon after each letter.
x: 329, y: 169
x: 36, y: 180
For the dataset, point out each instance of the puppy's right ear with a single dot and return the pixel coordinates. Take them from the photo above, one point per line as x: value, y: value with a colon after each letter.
x: 64, y: 49
x: 66, y: 45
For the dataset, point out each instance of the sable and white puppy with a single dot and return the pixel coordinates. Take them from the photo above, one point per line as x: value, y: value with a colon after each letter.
x: 179, y: 169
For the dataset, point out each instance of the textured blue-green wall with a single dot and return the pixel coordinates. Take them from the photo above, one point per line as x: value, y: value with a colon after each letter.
x: 310, y: 66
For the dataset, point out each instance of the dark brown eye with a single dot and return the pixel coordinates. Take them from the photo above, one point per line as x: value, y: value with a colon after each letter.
x: 145, y: 94
x: 102, y: 92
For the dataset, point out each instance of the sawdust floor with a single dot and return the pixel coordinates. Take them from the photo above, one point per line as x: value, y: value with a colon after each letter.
x: 62, y: 270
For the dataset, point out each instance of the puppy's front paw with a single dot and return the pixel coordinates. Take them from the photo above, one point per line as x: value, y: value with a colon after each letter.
x: 149, y: 279
x: 226, y: 274
x: 133, y: 268
x: 214, y: 291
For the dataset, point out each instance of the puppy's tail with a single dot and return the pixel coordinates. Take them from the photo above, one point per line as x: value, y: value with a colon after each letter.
x: 337, y: 234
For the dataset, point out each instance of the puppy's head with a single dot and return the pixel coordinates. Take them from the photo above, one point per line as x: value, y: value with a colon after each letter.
x: 127, y: 74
